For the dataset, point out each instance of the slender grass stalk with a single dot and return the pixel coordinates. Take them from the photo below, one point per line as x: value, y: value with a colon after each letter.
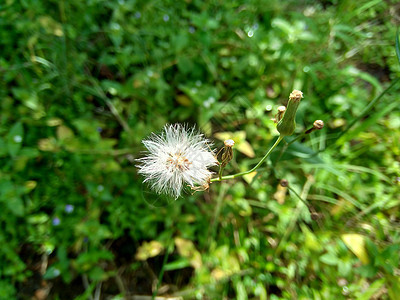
x: 295, y: 217
x: 366, y: 110
x: 97, y: 90
x: 254, y: 168
x: 212, y: 230
x: 169, y: 250
x: 298, y: 196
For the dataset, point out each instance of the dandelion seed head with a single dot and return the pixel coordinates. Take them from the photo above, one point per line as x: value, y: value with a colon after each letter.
x: 178, y: 156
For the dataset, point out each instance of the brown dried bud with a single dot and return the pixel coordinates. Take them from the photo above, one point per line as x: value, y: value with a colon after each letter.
x: 296, y: 95
x: 227, y: 155
x: 318, y: 124
x: 279, y: 115
x: 284, y: 183
x: 229, y: 143
x: 281, y: 109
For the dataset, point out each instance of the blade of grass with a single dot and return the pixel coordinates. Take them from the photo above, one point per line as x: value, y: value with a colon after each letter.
x: 96, y: 90
x: 342, y: 194
x: 372, y: 120
x: 364, y: 113
x: 397, y: 45
x: 169, y: 249
x: 371, y: 105
x: 323, y: 198
x: 296, y: 214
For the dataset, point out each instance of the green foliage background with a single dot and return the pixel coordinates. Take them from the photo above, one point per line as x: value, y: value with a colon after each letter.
x: 83, y: 82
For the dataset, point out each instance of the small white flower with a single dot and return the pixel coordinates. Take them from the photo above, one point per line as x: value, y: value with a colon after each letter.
x: 177, y: 156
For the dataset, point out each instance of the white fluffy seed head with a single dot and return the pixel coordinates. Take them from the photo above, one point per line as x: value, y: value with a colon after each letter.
x: 177, y: 156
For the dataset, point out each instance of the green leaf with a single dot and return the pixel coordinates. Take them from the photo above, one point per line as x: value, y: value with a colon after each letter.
x: 177, y: 264
x: 15, y: 138
x: 241, y: 293
x: 356, y: 243
x: 3, y: 148
x: 329, y: 259
x: 372, y: 290
x: 51, y: 273
x: 16, y: 206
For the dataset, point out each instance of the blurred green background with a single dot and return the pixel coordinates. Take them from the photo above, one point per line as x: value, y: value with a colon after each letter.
x: 83, y: 82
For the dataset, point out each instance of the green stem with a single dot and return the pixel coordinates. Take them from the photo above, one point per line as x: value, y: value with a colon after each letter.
x: 254, y: 168
x: 221, y: 169
x: 298, y: 196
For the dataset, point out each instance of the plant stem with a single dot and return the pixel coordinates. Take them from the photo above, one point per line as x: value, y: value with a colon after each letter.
x: 254, y: 168
x: 221, y: 169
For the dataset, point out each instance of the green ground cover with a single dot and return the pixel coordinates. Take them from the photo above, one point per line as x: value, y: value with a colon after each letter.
x: 83, y: 82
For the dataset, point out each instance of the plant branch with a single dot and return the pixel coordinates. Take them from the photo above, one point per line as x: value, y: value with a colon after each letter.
x: 254, y: 168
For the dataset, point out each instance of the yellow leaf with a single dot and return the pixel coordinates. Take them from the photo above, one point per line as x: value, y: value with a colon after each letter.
x: 48, y: 145
x: 51, y: 26
x: 54, y: 122
x: 137, y: 83
x: 356, y: 243
x: 218, y: 274
x: 340, y: 207
x: 187, y: 249
x: 30, y: 184
x: 64, y: 133
x: 223, y: 136
x: 246, y: 149
x: 249, y: 177
x: 280, y: 194
x: 239, y: 137
x: 149, y: 249
x: 183, y: 100
x: 311, y: 242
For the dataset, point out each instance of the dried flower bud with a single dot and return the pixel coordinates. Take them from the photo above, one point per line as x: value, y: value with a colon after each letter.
x: 229, y: 143
x: 284, y: 183
x: 296, y: 95
x: 281, y: 109
x: 227, y: 155
x: 279, y: 115
x: 287, y: 124
x: 318, y: 124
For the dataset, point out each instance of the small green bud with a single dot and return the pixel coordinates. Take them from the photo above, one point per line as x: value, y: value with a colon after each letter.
x: 287, y: 124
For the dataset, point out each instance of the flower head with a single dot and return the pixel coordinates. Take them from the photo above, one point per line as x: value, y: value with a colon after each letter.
x: 177, y: 156
x: 287, y: 124
x: 318, y: 124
